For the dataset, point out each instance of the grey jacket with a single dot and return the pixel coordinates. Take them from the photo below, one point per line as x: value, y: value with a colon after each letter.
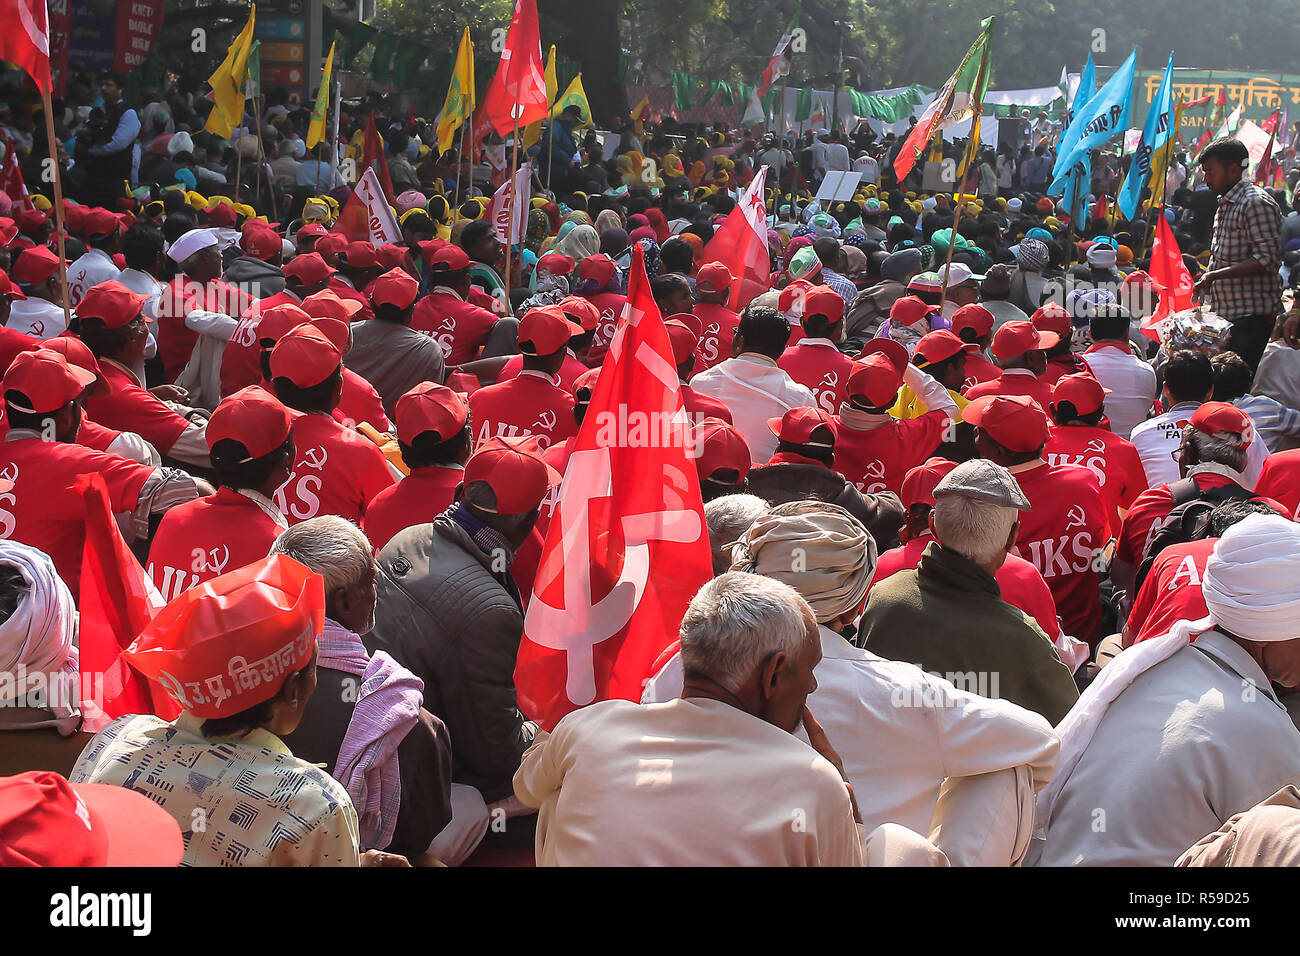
x: 443, y: 614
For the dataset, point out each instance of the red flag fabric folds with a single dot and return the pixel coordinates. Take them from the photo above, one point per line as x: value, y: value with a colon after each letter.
x: 517, y: 95
x: 741, y: 244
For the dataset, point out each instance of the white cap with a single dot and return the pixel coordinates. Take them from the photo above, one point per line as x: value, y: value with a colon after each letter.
x: 196, y: 240
x: 928, y: 202
x: 1014, y: 205
x: 182, y: 142
x: 957, y: 273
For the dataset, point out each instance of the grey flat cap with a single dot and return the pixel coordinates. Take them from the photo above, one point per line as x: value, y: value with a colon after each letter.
x: 982, y: 479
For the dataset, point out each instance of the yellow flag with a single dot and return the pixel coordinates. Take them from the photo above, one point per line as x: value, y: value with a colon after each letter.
x: 575, y: 95
x: 638, y: 114
x: 533, y: 132
x: 316, y: 131
x: 459, y: 105
x: 228, y: 83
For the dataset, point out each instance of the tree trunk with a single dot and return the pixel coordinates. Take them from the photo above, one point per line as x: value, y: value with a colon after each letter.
x: 591, y: 28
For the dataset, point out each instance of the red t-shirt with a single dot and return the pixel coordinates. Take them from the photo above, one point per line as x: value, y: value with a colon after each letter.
x: 240, y: 360
x: 704, y: 406
x: 12, y: 342
x: 1021, y: 584
x: 180, y: 297
x: 417, y: 499
x: 1061, y: 534
x: 335, y: 472
x: 979, y: 369
x: 92, y: 434
x: 820, y: 367
x: 1279, y: 479
x: 1063, y: 365
x: 717, y: 331
x: 207, y: 537
x: 1172, y: 590
x: 43, y: 511
x: 1012, y: 382
x: 345, y: 291
x: 130, y: 408
x: 611, y: 308
x: 528, y: 404
x: 879, y: 460
x: 1113, y: 459
x: 360, y: 403
x: 459, y: 327
x: 568, y: 373
x: 1151, y: 508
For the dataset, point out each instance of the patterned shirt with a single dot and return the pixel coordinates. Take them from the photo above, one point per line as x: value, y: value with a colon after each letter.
x: 239, y: 801
x: 847, y: 290
x: 1248, y: 225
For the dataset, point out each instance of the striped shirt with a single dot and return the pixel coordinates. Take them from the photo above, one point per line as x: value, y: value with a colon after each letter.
x: 1248, y: 225
x: 1273, y: 420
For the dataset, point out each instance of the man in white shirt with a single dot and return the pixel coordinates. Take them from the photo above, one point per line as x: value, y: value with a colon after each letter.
x: 36, y: 269
x: 870, y: 169
x: 1130, y: 381
x: 837, y: 154
x: 103, y: 232
x: 1175, y: 737
x: 818, y: 149
x: 751, y: 384
x: 1189, y: 383
x: 715, y: 777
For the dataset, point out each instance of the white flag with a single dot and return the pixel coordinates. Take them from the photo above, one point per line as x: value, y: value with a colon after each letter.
x: 513, y: 196
x: 380, y: 221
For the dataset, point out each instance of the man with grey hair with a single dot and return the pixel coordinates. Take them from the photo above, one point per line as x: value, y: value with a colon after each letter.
x: 948, y: 616
x: 366, y: 724
x: 715, y: 777
x: 727, y: 519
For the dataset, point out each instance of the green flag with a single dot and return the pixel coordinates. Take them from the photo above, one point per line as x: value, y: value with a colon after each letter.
x: 683, y: 90
x: 253, y: 79
x: 803, y: 106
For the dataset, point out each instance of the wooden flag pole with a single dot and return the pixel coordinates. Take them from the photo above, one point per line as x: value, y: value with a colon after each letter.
x: 460, y: 162
x: 58, y: 201
x: 952, y: 244
x: 510, y: 205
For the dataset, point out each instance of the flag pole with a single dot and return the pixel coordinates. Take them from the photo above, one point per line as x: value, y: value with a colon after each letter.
x: 460, y: 162
x: 58, y: 199
x: 510, y: 228
x: 1149, y: 242
x: 334, y: 139
x: 952, y: 244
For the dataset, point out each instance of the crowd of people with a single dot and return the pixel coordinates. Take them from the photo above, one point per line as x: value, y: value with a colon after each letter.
x: 1004, y: 569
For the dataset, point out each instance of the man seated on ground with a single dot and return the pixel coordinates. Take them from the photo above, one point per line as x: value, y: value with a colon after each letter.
x: 948, y: 615
x: 1021, y: 350
x: 1130, y: 381
x: 385, y: 351
x: 1276, y: 425
x: 365, y: 723
x: 223, y: 760
x: 815, y: 361
x: 721, y: 459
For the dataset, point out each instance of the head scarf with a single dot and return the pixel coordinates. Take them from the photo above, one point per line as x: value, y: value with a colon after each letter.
x: 553, y: 213
x: 673, y: 166
x: 1032, y: 255
x: 608, y: 219
x: 614, y: 242
x: 1249, y: 588
x: 41, y: 637
x: 578, y: 216
x: 857, y: 240
x: 835, y: 551
x: 695, y: 242
x: 857, y: 261
x: 659, y: 223
x: 642, y: 232
x: 651, y: 249
x: 580, y: 242
x: 539, y: 229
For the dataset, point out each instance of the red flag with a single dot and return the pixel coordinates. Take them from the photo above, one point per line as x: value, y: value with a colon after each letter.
x: 516, y: 96
x: 1170, y: 275
x: 372, y: 157
x: 627, y: 548
x: 741, y: 244
x: 366, y: 215
x: 117, y: 601
x: 777, y: 67
x: 25, y: 41
x: 11, y: 177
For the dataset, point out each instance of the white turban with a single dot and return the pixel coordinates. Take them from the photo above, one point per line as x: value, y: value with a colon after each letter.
x: 1250, y: 589
x: 182, y: 142
x: 38, y: 642
x: 1103, y: 257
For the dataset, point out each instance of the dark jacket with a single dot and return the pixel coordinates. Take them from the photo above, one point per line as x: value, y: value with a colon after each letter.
x: 870, y: 307
x: 446, y: 616
x: 948, y: 618
x: 269, y: 278
x: 881, y: 514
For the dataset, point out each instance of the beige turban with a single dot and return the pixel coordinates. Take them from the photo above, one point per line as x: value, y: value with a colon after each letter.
x: 817, y: 548
x: 38, y: 641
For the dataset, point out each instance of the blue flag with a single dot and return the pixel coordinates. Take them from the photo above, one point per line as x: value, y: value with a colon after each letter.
x: 1159, y: 127
x: 1085, y: 91
x: 1079, y: 176
x: 1102, y: 117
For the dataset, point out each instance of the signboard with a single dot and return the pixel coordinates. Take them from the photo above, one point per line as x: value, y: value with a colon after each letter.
x: 138, y: 25
x: 838, y: 186
x: 277, y: 28
x: 1259, y: 93
x: 91, y: 37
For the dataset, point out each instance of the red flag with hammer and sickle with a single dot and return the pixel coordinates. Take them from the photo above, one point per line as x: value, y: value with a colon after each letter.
x: 627, y: 547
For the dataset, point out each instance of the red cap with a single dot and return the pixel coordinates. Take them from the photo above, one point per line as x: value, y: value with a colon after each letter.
x: 336, y: 330
x: 1081, y: 390
x: 939, y: 346
x: 600, y: 268
x: 47, y: 379
x: 278, y: 320
x: 262, y: 243
x: 1016, y: 338
x: 910, y: 310
x: 309, y: 269
x: 47, y: 821
x: 448, y: 258
x: 720, y: 446
x: 329, y: 245
x: 219, y: 214
x: 395, y: 287
x: 35, y: 264
x: 918, y: 485
x: 875, y: 379
x: 975, y: 317
x: 688, y: 319
x: 1016, y: 422
x: 305, y: 356
x: 430, y: 407
x: 896, y: 352
x: 682, y: 339
x: 74, y: 215
x: 29, y: 220
x: 392, y: 256
x: 112, y: 302
x: 798, y: 424
x: 8, y: 230
x: 556, y: 263
x: 9, y: 288
x: 230, y: 643
x: 429, y: 246
x: 76, y: 352
x: 1053, y: 317
x: 791, y: 299
x: 100, y: 222
x: 713, y: 277
x: 327, y: 304
x: 586, y: 381
x: 545, y: 330
x: 312, y: 229
x: 1214, y: 417
x: 580, y: 310
x: 515, y: 471
x: 823, y: 300
x: 359, y: 254
x: 253, y: 417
